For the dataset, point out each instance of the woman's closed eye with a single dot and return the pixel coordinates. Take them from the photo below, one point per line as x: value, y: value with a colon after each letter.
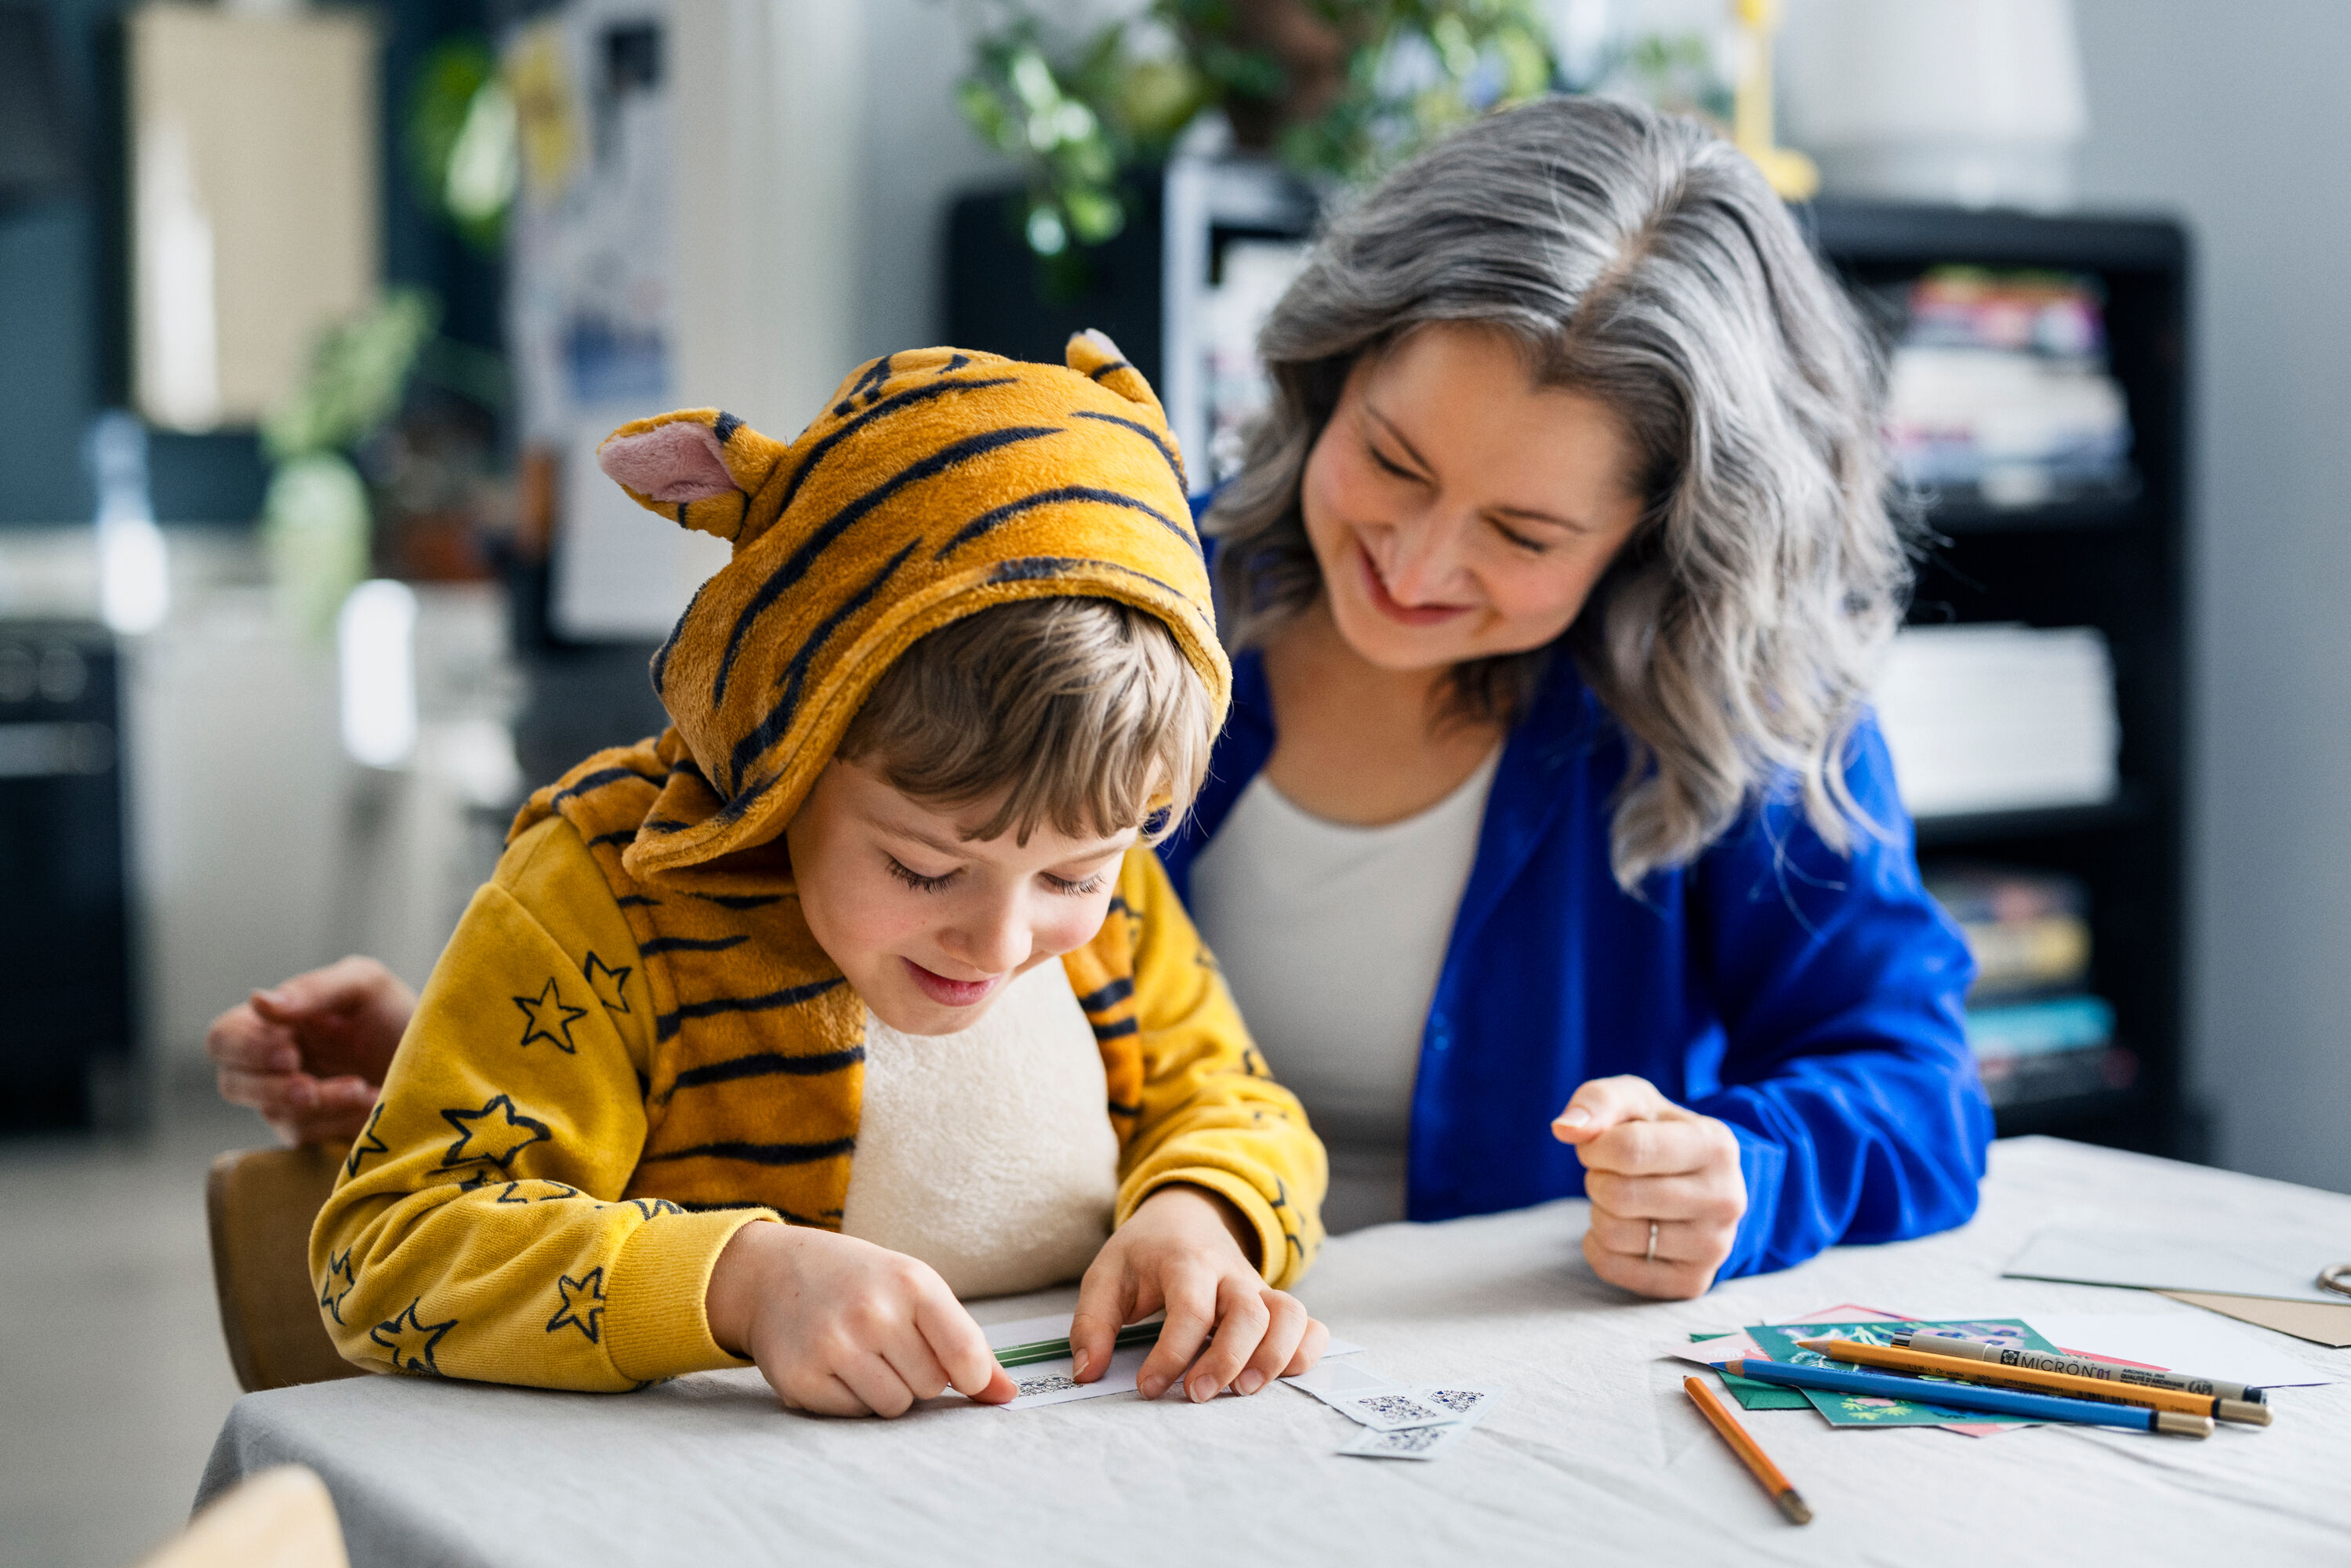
x: 1390, y: 465
x: 1518, y: 540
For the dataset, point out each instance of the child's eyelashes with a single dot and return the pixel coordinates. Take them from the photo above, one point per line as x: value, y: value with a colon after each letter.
x: 1073, y: 888
x: 915, y: 879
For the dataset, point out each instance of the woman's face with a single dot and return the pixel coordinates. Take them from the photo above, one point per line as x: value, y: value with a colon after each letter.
x: 1457, y: 510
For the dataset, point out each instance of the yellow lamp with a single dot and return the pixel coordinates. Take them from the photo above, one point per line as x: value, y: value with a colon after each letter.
x: 1792, y: 175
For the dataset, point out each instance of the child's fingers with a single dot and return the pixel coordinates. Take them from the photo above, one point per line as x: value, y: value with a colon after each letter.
x: 1600, y: 1103
x: 909, y: 1355
x: 999, y: 1388
x: 1242, y: 1317
x: 953, y: 1338
x: 876, y: 1383
x: 1285, y: 1330
x: 1190, y: 1292
x: 821, y: 1394
x: 1105, y: 1302
x: 1310, y: 1349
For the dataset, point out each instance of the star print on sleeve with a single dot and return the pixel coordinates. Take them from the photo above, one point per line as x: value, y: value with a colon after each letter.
x: 497, y: 1132
x: 607, y: 981
x: 338, y: 1266
x: 548, y: 1012
x: 411, y: 1340
x: 560, y: 1192
x: 650, y: 1207
x: 583, y: 1304
x: 367, y: 1143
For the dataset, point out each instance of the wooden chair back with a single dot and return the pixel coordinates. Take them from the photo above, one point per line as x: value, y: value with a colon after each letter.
x: 278, y: 1518
x: 260, y: 1204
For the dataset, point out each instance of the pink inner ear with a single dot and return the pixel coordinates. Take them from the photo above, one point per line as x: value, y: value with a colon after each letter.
x: 677, y: 462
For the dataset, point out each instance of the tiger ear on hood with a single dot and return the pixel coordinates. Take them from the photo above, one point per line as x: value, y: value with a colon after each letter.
x: 1093, y: 355
x: 700, y: 466
x: 669, y: 463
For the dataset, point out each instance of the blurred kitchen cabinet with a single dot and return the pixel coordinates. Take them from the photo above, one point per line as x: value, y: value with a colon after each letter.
x: 64, y: 961
x: 255, y: 201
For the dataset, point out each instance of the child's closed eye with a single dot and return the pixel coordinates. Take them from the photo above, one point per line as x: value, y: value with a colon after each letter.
x: 915, y: 879
x: 1074, y: 889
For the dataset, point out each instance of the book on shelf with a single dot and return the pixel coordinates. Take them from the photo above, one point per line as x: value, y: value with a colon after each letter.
x: 2000, y: 393
x: 2036, y: 1033
x: 2029, y: 930
x: 1999, y: 717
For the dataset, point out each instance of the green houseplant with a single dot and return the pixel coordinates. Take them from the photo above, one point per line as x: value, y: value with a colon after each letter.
x: 1337, y: 89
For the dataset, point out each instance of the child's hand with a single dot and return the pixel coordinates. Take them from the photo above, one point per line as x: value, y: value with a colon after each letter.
x: 842, y: 1327
x: 1184, y: 1249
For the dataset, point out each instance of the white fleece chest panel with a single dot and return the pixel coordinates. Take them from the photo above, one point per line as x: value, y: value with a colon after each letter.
x: 989, y: 1154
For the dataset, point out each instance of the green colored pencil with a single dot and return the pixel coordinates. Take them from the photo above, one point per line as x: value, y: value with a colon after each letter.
x: 1012, y: 1355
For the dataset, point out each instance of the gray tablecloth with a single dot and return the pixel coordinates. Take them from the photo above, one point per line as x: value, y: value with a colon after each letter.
x: 1596, y: 1457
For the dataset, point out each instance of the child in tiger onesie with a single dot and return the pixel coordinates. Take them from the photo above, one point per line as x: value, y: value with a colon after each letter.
x: 859, y: 988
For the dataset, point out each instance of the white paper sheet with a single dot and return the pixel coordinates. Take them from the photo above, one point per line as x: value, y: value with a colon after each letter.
x: 1055, y: 1382
x: 2151, y: 1260
x: 2200, y: 1347
x: 1331, y: 1381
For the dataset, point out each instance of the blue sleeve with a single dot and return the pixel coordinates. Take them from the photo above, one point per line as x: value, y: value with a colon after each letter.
x: 1844, y: 1071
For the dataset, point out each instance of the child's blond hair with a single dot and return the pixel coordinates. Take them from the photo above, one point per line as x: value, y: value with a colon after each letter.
x: 1082, y: 713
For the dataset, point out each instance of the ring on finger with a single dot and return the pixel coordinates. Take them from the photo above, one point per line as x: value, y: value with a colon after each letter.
x: 1651, y: 1255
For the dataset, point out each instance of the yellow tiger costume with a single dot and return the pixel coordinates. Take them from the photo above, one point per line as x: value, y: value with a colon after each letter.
x: 632, y: 1046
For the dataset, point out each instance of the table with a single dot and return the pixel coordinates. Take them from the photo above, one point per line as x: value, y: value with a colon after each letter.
x: 1596, y: 1457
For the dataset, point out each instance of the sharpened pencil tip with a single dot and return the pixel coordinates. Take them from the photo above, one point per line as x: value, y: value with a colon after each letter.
x: 1795, y: 1507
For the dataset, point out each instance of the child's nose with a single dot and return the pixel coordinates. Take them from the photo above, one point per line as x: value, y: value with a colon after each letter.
x: 995, y: 944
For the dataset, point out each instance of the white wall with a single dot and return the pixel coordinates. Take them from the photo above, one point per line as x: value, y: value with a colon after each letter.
x: 917, y: 152
x: 2234, y: 116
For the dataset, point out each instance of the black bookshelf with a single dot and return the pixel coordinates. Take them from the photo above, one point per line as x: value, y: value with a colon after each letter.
x: 2116, y: 564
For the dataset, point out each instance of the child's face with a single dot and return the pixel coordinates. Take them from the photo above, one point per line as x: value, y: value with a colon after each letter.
x: 929, y: 926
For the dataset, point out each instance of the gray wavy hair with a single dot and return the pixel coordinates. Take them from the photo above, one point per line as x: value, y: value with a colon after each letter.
x: 1639, y: 259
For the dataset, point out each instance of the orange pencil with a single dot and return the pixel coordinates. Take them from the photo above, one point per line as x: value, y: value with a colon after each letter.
x: 1745, y: 1448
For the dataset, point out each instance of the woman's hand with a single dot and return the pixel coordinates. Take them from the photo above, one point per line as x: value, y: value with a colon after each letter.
x: 1186, y: 1249
x: 841, y: 1327
x: 1653, y: 1167
x: 310, y: 1055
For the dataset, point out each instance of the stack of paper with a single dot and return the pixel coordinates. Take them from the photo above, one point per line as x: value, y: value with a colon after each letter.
x: 1999, y: 719
x: 2275, y: 1287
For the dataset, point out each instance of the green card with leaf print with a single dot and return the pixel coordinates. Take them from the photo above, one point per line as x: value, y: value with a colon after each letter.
x: 1778, y: 1341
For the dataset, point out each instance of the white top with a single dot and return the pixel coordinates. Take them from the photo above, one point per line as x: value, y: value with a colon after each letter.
x: 1331, y: 937
x: 989, y: 1154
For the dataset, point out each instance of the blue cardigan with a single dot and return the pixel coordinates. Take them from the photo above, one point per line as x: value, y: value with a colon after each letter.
x: 1810, y: 1000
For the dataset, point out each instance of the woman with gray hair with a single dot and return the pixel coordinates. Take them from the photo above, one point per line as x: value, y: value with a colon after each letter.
x: 1551, y: 849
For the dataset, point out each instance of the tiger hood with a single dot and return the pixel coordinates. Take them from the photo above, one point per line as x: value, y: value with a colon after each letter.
x: 936, y: 483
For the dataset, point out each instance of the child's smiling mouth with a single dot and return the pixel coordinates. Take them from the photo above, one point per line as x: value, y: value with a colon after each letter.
x: 951, y: 993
